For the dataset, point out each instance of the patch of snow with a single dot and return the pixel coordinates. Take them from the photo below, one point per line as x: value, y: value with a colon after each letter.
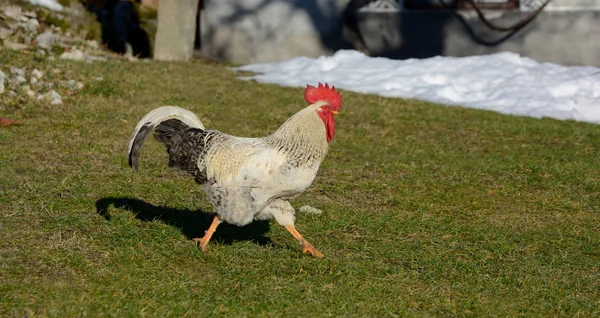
x: 503, y: 82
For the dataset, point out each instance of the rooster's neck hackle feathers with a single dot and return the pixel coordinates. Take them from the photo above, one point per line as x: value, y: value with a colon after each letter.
x: 302, y: 136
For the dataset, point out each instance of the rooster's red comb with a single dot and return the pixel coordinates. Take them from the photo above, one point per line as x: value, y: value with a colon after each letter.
x: 314, y: 94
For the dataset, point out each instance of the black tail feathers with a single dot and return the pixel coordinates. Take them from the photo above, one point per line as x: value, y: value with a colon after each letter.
x: 136, y: 147
x: 169, y: 132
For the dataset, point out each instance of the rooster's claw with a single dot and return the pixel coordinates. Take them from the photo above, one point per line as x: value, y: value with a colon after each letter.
x: 307, y: 248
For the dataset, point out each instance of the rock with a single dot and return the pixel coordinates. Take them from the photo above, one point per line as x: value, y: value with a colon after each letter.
x: 37, y: 73
x: 39, y: 84
x: 26, y: 39
x: 12, y: 93
x: 31, y: 26
x: 93, y: 44
x: 310, y: 210
x: 46, y: 40
x: 15, y: 46
x: 72, y: 85
x: 30, y: 14
x: 33, y: 80
x: 13, y: 12
x: 75, y: 55
x: 18, y: 80
x: 28, y: 91
x: 5, y: 33
x: 91, y: 58
x: 2, y: 78
x: 17, y: 71
x: 52, y: 97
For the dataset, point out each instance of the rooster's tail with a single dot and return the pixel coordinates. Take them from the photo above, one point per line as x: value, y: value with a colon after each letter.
x: 184, y: 119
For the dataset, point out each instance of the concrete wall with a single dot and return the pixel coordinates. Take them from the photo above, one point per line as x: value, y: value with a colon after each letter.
x: 564, y: 36
x: 255, y: 31
x: 252, y: 31
x: 574, y: 4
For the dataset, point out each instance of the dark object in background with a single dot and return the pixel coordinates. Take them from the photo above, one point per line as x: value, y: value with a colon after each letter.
x: 120, y: 25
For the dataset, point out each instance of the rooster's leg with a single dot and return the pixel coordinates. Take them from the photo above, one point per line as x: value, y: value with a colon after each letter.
x: 307, y: 248
x: 203, y: 241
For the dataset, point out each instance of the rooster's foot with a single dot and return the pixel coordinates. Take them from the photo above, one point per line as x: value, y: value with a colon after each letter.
x: 201, y: 243
x: 307, y: 248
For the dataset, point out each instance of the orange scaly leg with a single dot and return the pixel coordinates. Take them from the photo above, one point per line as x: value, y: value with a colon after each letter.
x: 202, y: 242
x: 307, y: 248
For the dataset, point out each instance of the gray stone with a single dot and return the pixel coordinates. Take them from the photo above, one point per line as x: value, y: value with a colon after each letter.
x: 30, y: 14
x: 72, y: 85
x: 37, y: 73
x: 28, y: 91
x: 46, y: 40
x: 92, y: 58
x: 2, y: 78
x: 17, y: 71
x: 18, y: 80
x: 5, y: 33
x: 93, y: 44
x: 75, y: 55
x: 30, y: 26
x: 51, y: 97
x: 13, y: 12
x: 15, y: 46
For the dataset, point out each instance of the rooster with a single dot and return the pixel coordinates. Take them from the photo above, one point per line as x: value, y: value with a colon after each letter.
x: 247, y: 179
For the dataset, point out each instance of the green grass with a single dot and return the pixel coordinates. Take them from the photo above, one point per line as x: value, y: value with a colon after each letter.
x: 428, y: 210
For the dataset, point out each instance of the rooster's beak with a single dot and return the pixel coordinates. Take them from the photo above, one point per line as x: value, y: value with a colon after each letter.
x: 335, y: 112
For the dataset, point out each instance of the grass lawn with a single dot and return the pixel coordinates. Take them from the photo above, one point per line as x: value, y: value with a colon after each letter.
x: 428, y: 210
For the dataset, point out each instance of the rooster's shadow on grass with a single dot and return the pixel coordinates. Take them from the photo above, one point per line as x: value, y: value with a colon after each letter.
x: 192, y: 223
